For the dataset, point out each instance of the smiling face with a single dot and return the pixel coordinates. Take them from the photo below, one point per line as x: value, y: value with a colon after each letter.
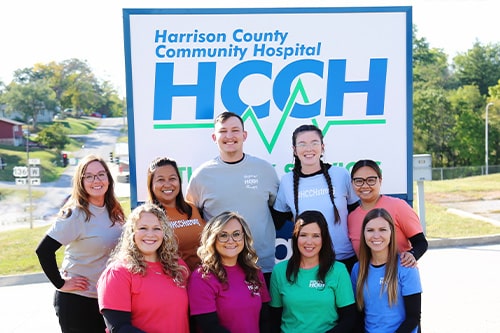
x: 230, y: 250
x: 309, y: 242
x: 365, y: 192
x: 377, y: 235
x: 308, y: 148
x: 166, y: 185
x: 96, y: 186
x: 229, y: 137
x: 148, y: 236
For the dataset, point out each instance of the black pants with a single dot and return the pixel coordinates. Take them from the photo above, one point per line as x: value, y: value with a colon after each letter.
x: 78, y: 314
x: 267, y: 278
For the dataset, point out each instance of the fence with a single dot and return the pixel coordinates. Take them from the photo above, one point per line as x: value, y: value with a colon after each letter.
x: 461, y: 172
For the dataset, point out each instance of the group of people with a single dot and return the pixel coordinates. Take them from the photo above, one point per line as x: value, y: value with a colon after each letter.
x: 205, y: 261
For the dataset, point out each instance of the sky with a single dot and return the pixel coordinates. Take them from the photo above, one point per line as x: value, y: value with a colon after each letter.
x: 34, y: 31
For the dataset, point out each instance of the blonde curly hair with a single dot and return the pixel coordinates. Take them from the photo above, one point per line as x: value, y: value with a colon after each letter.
x: 128, y: 254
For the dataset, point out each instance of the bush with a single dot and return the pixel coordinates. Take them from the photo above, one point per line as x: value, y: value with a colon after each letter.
x: 54, y: 136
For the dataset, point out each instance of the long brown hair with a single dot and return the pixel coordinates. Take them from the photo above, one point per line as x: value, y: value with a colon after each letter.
x: 391, y: 266
x: 79, y: 197
x: 211, y: 261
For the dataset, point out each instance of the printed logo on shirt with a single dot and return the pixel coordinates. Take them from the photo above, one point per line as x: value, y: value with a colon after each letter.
x: 251, y: 181
x: 184, y: 223
x: 254, y: 289
x: 316, y: 284
x: 314, y: 192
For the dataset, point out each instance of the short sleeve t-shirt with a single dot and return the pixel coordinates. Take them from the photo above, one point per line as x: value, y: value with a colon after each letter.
x: 313, y: 194
x: 406, y: 222
x: 207, y: 295
x: 380, y: 317
x: 310, y: 305
x: 188, y: 232
x: 156, y: 303
x: 88, y: 244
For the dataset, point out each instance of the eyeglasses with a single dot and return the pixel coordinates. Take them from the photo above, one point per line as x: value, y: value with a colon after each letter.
x: 89, y: 178
x: 370, y: 181
x: 303, y: 145
x: 223, y: 237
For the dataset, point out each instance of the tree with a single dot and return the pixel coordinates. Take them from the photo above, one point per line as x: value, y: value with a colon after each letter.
x: 432, y: 125
x: 75, y: 86
x: 467, y: 143
x: 494, y: 123
x: 430, y: 65
x: 479, y: 66
x: 29, y: 99
x: 53, y: 136
x: 432, y: 120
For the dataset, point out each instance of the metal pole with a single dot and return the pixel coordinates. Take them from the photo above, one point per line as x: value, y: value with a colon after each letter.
x: 421, y: 204
x: 29, y: 176
x: 486, y: 138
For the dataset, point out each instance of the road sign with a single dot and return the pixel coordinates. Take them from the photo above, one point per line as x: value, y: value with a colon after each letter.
x: 35, y: 181
x: 20, y: 181
x: 35, y: 172
x: 34, y: 161
x: 20, y: 171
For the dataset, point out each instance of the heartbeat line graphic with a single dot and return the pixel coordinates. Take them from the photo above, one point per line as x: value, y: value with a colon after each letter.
x: 250, y: 114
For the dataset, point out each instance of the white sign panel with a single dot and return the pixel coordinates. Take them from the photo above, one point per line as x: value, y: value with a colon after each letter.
x: 346, y: 70
x: 20, y: 171
x: 35, y: 172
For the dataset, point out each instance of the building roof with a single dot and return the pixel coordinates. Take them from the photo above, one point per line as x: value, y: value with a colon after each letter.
x: 10, y: 121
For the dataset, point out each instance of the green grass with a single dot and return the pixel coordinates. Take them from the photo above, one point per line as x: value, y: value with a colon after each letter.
x: 18, y: 251
x: 50, y: 168
x: 442, y: 224
x: 22, y: 194
x: 75, y: 126
x: 17, y: 247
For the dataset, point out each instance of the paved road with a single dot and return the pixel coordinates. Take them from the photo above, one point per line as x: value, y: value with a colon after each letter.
x: 100, y: 142
x: 461, y: 290
x: 461, y: 295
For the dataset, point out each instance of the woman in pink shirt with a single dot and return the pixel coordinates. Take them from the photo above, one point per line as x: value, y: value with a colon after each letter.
x: 366, y: 177
x: 144, y: 287
x: 228, y: 293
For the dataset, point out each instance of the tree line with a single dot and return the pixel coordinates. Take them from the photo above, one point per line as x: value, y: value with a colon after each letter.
x: 69, y: 84
x: 449, y: 99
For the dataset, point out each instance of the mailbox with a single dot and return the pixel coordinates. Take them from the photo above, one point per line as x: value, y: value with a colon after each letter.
x: 422, y: 167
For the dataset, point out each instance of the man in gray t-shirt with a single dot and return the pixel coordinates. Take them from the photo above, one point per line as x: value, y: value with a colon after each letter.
x: 235, y: 181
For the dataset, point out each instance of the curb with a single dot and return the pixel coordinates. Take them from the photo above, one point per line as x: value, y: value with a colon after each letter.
x: 434, y: 243
x: 437, y: 243
x: 16, y: 280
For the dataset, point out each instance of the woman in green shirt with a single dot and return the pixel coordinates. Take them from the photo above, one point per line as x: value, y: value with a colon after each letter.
x: 311, y: 292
